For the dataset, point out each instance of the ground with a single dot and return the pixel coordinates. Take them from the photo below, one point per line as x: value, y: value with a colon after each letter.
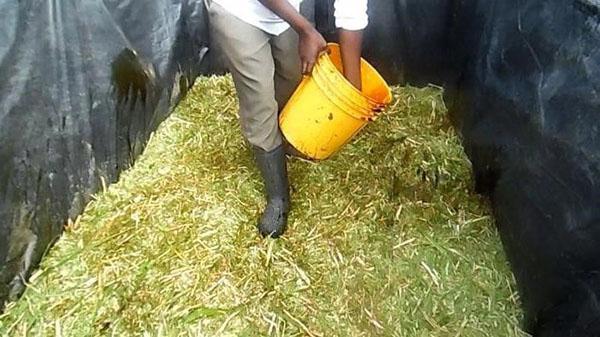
x: 386, y: 238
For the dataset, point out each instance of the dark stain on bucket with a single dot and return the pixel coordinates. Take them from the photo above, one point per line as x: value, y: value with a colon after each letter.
x: 330, y: 117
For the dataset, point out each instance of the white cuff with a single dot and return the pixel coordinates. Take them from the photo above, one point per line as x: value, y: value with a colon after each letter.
x: 351, y: 14
x: 351, y: 23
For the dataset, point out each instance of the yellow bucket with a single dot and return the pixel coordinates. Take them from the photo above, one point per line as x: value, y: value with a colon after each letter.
x: 326, y: 110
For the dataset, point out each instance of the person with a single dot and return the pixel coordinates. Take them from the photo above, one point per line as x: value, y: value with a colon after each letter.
x: 267, y: 46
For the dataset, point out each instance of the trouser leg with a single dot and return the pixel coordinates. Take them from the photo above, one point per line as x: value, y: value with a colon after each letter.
x: 288, y: 72
x: 247, y: 51
x: 251, y: 62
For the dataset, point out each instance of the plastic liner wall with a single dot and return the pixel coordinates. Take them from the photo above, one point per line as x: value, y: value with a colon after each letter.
x: 522, y: 80
x: 83, y: 84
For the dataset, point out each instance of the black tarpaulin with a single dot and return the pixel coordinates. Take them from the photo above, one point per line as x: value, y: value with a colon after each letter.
x: 522, y: 84
x: 529, y: 111
x: 84, y: 83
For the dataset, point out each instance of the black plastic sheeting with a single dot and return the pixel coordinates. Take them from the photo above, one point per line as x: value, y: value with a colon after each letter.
x: 85, y: 83
x: 522, y: 80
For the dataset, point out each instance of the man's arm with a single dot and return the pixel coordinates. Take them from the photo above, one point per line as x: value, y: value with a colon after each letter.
x: 351, y: 48
x: 311, y: 42
x: 351, y: 19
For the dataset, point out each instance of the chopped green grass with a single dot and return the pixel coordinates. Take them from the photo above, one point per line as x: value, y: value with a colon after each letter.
x: 385, y: 239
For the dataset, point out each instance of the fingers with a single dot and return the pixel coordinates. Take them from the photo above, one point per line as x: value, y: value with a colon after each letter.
x: 308, y: 63
x: 309, y: 67
x: 311, y: 47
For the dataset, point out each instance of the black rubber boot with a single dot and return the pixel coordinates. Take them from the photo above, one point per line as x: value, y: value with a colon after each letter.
x: 273, y: 168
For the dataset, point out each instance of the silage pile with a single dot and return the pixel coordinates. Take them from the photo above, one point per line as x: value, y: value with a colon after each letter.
x: 385, y: 239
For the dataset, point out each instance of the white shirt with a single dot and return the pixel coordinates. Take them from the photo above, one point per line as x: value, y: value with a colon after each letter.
x: 349, y: 14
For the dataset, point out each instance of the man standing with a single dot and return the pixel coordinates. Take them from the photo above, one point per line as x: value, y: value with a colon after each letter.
x: 267, y: 46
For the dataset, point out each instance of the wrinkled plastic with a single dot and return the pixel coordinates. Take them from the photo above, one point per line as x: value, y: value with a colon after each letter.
x: 522, y: 83
x: 84, y: 83
x: 407, y: 40
x: 529, y: 110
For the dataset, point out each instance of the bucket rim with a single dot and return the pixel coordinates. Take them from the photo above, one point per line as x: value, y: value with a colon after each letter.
x: 348, y: 107
x: 388, y: 98
x: 368, y: 111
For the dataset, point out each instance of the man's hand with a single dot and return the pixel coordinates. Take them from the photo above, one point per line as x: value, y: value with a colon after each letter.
x: 312, y: 44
